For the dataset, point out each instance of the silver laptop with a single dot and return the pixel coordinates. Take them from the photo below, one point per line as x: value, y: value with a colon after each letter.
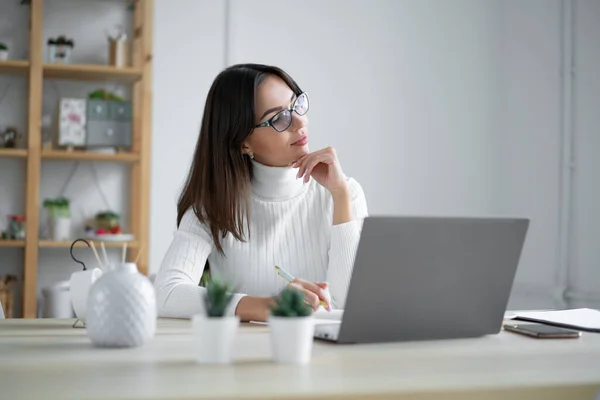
x: 426, y: 278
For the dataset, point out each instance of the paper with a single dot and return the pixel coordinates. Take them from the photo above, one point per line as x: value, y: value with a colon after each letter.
x: 324, y: 316
x: 580, y: 318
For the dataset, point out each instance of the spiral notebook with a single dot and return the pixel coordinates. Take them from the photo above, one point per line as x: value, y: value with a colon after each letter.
x: 581, y: 319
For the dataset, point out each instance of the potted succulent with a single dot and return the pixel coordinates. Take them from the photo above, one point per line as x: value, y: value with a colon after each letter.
x: 59, y: 218
x: 292, y: 328
x: 108, y: 222
x: 3, y: 51
x: 59, y: 49
x: 214, y: 332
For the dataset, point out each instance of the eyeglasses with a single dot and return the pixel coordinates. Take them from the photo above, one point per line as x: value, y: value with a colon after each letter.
x: 283, y: 119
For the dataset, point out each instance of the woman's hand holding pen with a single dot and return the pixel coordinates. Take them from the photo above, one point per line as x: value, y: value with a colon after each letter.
x: 315, y: 293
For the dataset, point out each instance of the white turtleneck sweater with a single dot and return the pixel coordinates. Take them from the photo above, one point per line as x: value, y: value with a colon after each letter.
x: 291, y: 225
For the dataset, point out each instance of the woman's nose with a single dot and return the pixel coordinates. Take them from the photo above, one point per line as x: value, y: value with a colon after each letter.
x: 298, y: 121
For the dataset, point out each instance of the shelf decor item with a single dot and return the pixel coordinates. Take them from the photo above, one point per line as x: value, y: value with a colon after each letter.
x: 3, y: 52
x: 71, y: 122
x: 16, y: 228
x: 9, y: 137
x: 59, y: 218
x: 214, y: 332
x: 292, y: 328
x: 109, y: 120
x: 59, y: 50
x: 119, y: 49
x: 121, y: 308
x: 7, y: 294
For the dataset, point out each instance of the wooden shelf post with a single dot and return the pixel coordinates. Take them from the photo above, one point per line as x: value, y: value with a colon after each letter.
x: 142, y: 98
x: 34, y: 139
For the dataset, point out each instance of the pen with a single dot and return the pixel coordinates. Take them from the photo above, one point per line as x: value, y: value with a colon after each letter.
x: 289, y: 279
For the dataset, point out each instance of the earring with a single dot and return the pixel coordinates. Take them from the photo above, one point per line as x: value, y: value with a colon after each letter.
x: 251, y: 155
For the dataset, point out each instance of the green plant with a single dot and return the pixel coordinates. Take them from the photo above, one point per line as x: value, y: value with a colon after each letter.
x: 290, y: 303
x: 58, y: 207
x: 3, y: 46
x: 107, y: 219
x: 217, y: 298
x: 101, y: 94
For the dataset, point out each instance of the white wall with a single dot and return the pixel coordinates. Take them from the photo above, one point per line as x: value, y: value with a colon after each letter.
x: 528, y: 136
x: 183, y: 74
x: 585, y: 255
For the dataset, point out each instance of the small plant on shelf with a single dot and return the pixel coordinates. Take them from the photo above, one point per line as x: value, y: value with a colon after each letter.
x: 59, y: 218
x: 58, y: 208
x: 290, y: 303
x: 108, y: 222
x: 101, y: 94
x: 3, y: 51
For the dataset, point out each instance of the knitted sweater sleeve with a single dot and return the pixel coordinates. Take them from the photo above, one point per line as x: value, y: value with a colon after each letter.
x: 177, y: 292
x: 343, y: 246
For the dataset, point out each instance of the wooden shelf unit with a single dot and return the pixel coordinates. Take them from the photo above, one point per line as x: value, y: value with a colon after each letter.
x: 139, y: 75
x: 14, y: 67
x: 54, y: 244
x: 89, y: 156
x: 18, y: 153
x: 12, y: 243
x: 91, y: 72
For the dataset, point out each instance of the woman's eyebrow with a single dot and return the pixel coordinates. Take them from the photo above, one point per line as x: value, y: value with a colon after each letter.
x: 278, y: 108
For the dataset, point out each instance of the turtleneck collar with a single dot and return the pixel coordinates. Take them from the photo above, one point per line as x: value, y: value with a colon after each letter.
x: 275, y: 183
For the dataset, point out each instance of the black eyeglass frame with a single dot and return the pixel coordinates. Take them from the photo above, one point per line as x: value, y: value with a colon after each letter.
x: 290, y: 110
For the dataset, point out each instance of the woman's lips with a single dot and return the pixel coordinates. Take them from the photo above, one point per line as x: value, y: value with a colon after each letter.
x: 301, y: 142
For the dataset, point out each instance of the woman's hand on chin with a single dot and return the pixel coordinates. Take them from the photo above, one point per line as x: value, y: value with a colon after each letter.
x: 324, y: 166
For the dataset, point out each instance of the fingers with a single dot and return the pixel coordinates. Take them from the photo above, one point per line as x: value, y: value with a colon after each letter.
x: 309, y: 297
x: 315, y: 291
x: 306, y: 163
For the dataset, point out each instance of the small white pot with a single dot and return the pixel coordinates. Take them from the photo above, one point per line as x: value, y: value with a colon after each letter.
x: 3, y: 55
x: 292, y: 339
x: 60, y: 228
x: 214, y: 338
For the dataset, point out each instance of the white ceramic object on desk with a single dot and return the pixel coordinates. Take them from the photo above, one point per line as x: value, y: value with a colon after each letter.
x: 79, y: 286
x: 292, y: 339
x: 3, y: 55
x: 214, y: 338
x: 121, y: 308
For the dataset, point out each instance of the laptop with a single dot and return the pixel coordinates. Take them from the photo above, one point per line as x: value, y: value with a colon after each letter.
x: 429, y: 278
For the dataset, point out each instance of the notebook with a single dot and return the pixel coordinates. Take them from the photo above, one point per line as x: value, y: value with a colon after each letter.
x: 583, y: 319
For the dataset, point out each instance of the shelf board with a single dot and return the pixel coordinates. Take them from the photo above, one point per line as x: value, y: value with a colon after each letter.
x: 91, y: 72
x: 14, y: 67
x: 53, y: 244
x: 12, y: 243
x: 88, y: 156
x: 13, y: 153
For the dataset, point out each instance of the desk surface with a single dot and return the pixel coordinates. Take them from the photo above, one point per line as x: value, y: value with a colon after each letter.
x: 47, y: 357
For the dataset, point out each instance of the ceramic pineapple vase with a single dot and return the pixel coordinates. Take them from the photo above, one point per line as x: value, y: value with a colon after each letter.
x: 121, y: 308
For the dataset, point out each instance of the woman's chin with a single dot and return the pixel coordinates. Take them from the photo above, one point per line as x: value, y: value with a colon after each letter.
x: 301, y: 151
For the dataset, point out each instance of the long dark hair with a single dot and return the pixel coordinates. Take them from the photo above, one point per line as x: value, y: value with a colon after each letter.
x: 218, y: 184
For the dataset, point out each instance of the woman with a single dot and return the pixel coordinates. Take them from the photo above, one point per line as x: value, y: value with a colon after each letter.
x: 255, y: 197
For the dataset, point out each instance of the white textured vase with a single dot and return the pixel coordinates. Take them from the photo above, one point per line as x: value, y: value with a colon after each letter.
x: 121, y: 309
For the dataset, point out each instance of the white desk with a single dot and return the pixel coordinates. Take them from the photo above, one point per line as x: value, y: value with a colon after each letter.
x: 50, y: 359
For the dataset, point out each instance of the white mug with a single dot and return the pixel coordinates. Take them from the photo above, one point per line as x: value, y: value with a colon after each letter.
x: 80, y: 283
